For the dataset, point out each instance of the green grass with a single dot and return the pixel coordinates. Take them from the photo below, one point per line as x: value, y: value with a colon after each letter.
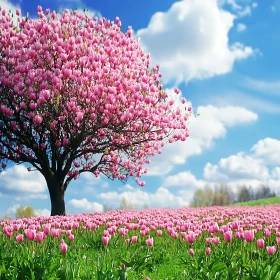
x: 263, y: 201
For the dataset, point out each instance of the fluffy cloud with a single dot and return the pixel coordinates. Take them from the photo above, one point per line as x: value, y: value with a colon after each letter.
x: 183, y: 179
x: 197, y: 45
x: 11, y: 211
x: 17, y: 180
x: 241, y: 27
x: 161, y: 198
x: 86, y: 205
x: 7, y: 5
x: 235, y: 167
x: 211, y: 124
x: 42, y: 212
x: 268, y: 149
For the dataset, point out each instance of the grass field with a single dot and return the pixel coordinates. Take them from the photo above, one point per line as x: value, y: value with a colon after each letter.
x: 264, y: 201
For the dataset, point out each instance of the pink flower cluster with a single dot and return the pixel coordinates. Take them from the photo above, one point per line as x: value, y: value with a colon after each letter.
x: 86, y: 72
x: 219, y: 225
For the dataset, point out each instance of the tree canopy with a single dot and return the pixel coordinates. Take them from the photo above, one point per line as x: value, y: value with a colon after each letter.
x: 78, y: 95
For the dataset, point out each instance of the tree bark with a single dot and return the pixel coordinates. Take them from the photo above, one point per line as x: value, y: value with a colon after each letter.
x: 56, y: 190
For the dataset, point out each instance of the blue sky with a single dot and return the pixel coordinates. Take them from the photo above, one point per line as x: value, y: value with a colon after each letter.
x: 224, y: 57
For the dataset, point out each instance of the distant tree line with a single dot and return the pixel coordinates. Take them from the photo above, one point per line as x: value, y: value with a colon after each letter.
x: 222, y: 195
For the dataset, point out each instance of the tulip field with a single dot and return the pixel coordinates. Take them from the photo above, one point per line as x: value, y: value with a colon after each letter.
x: 188, y: 243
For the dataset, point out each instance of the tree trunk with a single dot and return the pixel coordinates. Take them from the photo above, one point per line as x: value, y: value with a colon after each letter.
x: 56, y: 190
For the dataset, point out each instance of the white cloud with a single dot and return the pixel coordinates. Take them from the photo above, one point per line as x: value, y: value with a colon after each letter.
x: 12, y: 210
x: 276, y: 173
x: 254, y: 5
x: 18, y: 180
x: 211, y: 124
x: 86, y: 205
x: 241, y: 27
x: 267, y: 149
x: 161, y: 198
x: 197, y: 45
x: 7, y: 5
x: 183, y: 179
x: 236, y: 167
x: 272, y: 87
x: 42, y: 212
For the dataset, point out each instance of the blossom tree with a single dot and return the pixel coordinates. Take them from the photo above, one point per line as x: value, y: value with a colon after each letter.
x: 78, y: 95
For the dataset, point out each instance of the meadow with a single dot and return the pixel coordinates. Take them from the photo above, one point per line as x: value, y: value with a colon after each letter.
x: 235, y: 242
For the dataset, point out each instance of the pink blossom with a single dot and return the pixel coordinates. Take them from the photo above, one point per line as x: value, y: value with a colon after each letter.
x: 191, y: 252
x: 249, y: 235
x: 38, y: 119
x: 40, y: 236
x: 105, y: 240
x: 260, y: 243
x: 208, y: 251
x: 271, y: 249
x: 134, y: 239
x: 228, y: 236
x: 19, y: 238
x: 30, y: 234
x: 63, y: 246
x: 150, y: 242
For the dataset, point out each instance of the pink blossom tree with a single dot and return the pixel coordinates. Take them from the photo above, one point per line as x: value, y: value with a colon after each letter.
x: 78, y: 95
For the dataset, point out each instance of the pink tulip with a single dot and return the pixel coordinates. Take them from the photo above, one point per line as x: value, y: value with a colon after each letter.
x: 271, y: 250
x: 71, y: 237
x: 190, y: 238
x: 150, y: 242
x: 63, y: 246
x: 191, y: 252
x: 249, y: 235
x: 216, y: 240
x: 30, y: 234
x: 278, y: 240
x: 40, y: 235
x: 208, y: 240
x: 159, y: 232
x: 228, y: 236
x: 260, y: 243
x: 19, y: 238
x: 134, y: 239
x: 105, y: 240
x: 208, y: 251
x: 127, y: 241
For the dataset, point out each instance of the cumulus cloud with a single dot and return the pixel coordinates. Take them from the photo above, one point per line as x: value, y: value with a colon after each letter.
x: 8, y: 6
x: 276, y: 173
x: 267, y: 149
x: 235, y: 167
x: 241, y: 27
x: 161, y: 198
x: 18, y: 180
x: 211, y: 124
x: 197, y: 45
x: 42, y: 212
x: 11, y: 211
x: 86, y: 205
x: 183, y: 179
